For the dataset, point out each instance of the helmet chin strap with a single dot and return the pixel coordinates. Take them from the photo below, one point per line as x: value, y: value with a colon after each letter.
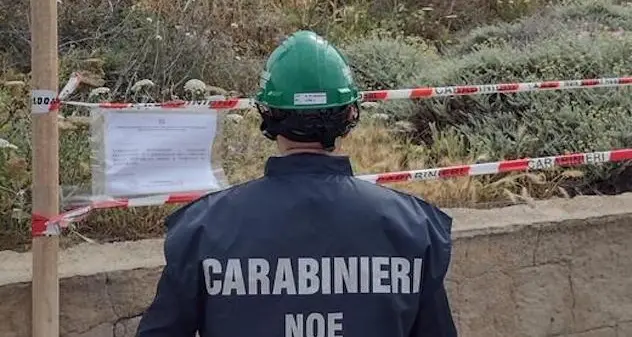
x: 267, y: 131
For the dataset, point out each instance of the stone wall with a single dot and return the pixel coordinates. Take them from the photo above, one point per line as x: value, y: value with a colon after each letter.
x: 555, y: 268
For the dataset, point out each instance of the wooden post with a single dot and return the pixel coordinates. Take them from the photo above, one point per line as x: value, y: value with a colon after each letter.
x: 44, y: 84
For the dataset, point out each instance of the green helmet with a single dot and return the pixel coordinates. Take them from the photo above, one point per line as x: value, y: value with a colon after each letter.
x: 307, y: 93
x: 306, y: 72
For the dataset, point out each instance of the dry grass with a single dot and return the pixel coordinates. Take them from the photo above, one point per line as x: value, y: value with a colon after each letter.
x: 374, y: 147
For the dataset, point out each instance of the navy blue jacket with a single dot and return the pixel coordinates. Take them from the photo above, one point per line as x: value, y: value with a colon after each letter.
x: 305, y: 251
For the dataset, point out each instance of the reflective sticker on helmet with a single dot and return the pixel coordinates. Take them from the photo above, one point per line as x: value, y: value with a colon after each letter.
x: 347, y: 73
x: 310, y: 98
x: 263, y: 79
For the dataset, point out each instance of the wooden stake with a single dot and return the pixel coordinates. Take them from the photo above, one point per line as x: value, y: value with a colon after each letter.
x: 44, y: 83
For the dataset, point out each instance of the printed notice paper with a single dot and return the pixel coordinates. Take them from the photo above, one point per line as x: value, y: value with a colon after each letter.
x: 158, y: 152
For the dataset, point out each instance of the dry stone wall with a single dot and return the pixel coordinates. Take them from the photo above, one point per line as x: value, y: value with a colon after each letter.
x: 553, y: 269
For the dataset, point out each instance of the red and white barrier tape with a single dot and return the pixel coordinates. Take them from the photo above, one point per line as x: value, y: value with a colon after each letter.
x: 467, y: 90
x: 52, y: 226
x: 387, y: 95
x: 42, y: 226
x: 517, y: 165
x: 70, y: 87
x: 229, y: 104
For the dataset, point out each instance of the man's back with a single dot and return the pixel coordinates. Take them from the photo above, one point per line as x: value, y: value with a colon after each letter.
x: 305, y: 251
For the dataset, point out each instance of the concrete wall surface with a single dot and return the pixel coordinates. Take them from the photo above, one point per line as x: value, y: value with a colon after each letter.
x: 559, y: 268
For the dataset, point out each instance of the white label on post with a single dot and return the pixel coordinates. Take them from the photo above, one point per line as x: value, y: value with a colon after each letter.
x: 41, y: 101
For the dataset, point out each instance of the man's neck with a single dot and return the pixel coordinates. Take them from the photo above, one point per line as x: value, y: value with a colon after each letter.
x: 291, y: 151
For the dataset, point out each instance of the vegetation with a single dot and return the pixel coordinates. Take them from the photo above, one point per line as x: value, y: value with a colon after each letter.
x: 115, y: 44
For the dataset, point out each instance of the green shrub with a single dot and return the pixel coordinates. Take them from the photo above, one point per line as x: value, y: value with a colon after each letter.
x: 541, y: 123
x: 15, y: 175
x: 584, y: 17
x: 525, y: 124
x: 387, y: 61
x: 562, y: 57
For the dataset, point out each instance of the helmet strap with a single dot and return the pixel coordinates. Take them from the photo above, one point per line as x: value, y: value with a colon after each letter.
x: 288, y: 124
x: 268, y: 129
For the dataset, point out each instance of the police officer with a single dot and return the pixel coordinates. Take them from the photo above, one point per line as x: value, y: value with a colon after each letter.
x: 307, y: 250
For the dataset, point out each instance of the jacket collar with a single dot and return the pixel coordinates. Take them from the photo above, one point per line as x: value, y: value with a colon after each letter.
x: 308, y: 163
